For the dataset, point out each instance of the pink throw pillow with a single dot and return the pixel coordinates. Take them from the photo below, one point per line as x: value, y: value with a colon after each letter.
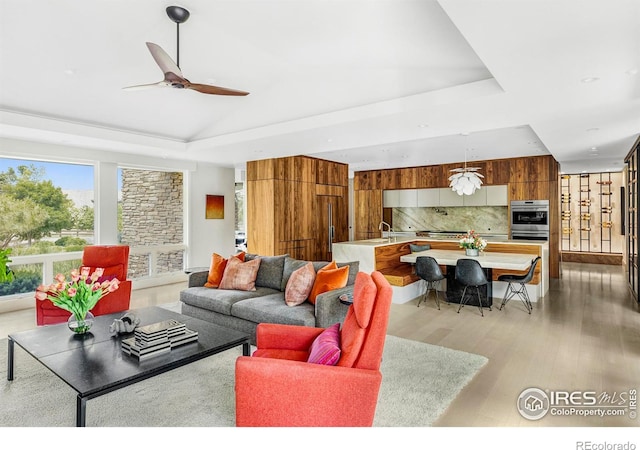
x: 299, y: 285
x: 326, y: 347
x: 240, y: 275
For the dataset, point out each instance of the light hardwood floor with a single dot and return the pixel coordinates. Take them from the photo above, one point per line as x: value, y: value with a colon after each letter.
x: 584, y: 335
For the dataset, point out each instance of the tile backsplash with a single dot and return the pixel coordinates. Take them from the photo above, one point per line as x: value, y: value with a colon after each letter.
x: 483, y: 219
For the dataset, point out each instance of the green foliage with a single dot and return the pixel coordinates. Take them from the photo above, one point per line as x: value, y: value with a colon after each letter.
x: 83, y: 218
x: 53, y: 206
x: 6, y: 274
x: 23, y: 282
x: 70, y: 241
x: 19, y: 217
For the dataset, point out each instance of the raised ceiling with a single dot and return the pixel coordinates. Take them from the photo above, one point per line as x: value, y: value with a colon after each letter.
x: 375, y: 84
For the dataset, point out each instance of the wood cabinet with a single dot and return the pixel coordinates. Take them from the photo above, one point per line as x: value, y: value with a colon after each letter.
x: 287, y: 202
x: 367, y: 213
x: 525, y: 178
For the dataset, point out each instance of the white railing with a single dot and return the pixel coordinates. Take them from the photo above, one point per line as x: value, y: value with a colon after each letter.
x: 152, y: 278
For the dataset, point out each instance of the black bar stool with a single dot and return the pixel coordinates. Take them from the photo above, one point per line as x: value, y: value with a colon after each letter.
x: 517, y: 286
x: 469, y: 273
x: 428, y: 269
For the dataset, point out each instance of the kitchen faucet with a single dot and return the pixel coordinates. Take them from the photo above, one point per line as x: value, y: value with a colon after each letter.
x: 389, y: 229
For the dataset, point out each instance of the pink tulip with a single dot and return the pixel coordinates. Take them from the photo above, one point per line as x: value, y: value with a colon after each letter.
x: 114, y: 285
x: 84, y: 272
x: 41, y: 295
x: 60, y: 278
x: 71, y: 292
x: 96, y: 287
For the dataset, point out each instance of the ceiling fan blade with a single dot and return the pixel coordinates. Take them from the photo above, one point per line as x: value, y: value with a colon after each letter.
x: 140, y: 87
x: 163, y: 60
x: 216, y: 90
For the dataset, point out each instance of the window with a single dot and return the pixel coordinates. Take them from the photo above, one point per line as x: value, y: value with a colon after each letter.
x: 46, y: 208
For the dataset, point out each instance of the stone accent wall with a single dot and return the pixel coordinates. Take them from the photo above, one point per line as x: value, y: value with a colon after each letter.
x: 152, y: 214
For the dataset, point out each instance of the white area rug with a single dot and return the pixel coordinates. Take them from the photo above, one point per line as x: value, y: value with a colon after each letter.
x: 414, y: 391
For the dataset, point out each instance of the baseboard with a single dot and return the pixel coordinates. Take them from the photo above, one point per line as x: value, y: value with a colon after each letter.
x: 614, y: 259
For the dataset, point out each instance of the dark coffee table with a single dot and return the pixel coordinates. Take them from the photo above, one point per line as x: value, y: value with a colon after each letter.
x: 95, y: 365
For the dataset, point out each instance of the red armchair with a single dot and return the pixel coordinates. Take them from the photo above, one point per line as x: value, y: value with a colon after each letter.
x: 276, y: 386
x: 115, y: 261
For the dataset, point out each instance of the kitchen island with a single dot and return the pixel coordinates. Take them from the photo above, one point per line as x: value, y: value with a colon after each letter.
x: 385, y: 255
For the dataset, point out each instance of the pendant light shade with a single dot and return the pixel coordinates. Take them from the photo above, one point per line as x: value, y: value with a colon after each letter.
x: 465, y: 180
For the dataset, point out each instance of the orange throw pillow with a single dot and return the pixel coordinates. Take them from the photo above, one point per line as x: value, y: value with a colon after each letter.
x: 216, y: 271
x: 328, y: 279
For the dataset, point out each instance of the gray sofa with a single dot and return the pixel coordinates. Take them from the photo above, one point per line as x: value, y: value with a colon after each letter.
x: 243, y: 310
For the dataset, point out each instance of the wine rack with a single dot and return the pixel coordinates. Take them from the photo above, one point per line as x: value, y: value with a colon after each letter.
x: 589, y: 207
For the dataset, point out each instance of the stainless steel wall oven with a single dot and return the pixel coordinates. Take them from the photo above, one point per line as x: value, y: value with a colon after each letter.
x: 530, y: 219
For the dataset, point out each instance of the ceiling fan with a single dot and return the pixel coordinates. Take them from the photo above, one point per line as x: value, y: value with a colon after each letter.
x: 172, y: 74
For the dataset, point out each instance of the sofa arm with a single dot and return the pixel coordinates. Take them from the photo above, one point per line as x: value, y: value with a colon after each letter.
x: 198, y: 279
x: 329, y: 310
x: 282, y: 393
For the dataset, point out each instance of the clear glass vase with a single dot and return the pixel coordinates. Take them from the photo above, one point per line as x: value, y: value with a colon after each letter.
x: 81, y: 326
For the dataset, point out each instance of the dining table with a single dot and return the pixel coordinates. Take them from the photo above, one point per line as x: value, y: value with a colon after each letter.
x: 487, y: 260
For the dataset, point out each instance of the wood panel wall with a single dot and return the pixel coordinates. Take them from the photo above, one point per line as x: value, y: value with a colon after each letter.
x: 528, y: 178
x: 287, y: 206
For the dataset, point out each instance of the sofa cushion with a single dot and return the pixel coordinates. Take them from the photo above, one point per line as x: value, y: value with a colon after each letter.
x: 419, y: 248
x: 328, y: 279
x: 299, y: 285
x: 270, y: 271
x: 216, y: 270
x: 273, y: 309
x: 240, y: 275
x: 354, y: 268
x: 290, y: 266
x: 220, y: 300
x: 326, y: 347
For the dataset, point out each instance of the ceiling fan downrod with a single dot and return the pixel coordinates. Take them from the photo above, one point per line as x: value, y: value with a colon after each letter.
x: 178, y: 15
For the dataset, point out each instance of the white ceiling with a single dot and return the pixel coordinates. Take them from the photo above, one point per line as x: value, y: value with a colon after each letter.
x: 372, y: 83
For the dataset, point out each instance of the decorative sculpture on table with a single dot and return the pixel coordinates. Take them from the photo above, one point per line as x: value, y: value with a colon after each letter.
x: 125, y: 324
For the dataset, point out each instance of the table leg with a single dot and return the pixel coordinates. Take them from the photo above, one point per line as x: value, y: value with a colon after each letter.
x: 81, y: 411
x: 10, y: 359
x: 246, y: 349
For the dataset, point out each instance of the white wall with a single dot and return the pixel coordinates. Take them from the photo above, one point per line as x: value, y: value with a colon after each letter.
x: 206, y: 236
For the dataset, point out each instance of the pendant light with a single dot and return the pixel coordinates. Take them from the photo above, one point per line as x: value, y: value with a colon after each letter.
x: 465, y: 180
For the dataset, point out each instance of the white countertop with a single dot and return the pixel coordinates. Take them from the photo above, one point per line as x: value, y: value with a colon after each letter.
x: 379, y: 242
x: 493, y: 260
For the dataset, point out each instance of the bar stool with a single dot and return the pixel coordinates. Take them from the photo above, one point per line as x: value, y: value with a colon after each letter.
x: 428, y: 269
x: 469, y: 273
x: 517, y: 286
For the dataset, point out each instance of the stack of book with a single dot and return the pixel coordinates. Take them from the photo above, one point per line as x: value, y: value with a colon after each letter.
x: 157, y: 339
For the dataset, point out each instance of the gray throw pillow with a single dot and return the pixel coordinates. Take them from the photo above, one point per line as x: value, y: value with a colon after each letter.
x: 419, y: 248
x: 270, y: 271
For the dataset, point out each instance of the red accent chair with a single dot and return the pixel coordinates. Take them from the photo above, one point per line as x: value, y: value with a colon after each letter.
x: 277, y: 387
x: 115, y: 261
